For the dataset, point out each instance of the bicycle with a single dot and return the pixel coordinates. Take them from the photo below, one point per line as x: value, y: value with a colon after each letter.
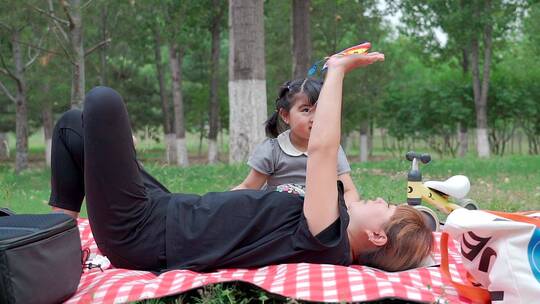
x: 436, y: 193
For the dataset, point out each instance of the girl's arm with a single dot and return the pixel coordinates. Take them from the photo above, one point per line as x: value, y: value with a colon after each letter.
x: 350, y: 194
x: 320, y: 204
x: 254, y: 180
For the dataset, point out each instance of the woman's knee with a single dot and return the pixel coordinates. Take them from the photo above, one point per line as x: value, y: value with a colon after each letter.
x: 70, y: 119
x: 103, y: 101
x: 67, y: 138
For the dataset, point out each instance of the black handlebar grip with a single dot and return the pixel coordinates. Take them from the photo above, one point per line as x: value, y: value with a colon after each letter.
x: 424, y: 157
x: 410, y: 155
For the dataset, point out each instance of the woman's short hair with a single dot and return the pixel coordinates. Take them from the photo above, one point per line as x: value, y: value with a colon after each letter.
x: 409, y: 242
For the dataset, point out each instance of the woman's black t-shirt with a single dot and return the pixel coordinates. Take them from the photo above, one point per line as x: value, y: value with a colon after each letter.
x: 248, y: 228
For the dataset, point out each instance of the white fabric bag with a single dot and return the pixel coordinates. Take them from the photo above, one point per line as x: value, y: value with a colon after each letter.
x: 501, y: 251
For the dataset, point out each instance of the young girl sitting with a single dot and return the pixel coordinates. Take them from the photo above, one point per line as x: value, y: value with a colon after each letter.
x: 279, y: 162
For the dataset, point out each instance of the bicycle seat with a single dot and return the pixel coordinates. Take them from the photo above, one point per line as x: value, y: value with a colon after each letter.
x: 456, y: 186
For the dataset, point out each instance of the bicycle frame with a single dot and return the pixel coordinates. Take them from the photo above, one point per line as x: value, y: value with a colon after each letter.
x: 418, y: 192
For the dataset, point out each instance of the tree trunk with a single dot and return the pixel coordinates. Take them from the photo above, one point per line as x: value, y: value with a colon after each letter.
x: 170, y: 148
x: 519, y: 139
x: 301, y: 38
x: 170, y: 137
x: 76, y: 40
x: 371, y: 131
x: 512, y: 141
x: 4, y: 146
x: 344, y: 141
x: 48, y: 125
x: 201, y: 136
x: 481, y: 84
x: 247, y: 84
x: 364, y: 150
x: 21, y: 107
x: 213, y: 121
x: 103, y: 49
x: 221, y: 139
x: 383, y: 139
x: 482, y: 142
x: 213, y: 151
x: 463, y: 139
x: 463, y: 132
x: 175, y: 58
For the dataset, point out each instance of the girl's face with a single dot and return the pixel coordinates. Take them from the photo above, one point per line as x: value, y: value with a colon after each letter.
x: 299, y: 117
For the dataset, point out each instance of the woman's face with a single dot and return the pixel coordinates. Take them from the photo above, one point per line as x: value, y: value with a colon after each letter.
x: 370, y: 215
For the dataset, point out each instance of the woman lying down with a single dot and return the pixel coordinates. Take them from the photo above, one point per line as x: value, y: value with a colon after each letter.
x: 138, y: 224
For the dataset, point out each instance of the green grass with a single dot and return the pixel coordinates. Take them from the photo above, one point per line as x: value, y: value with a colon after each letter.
x: 509, y: 183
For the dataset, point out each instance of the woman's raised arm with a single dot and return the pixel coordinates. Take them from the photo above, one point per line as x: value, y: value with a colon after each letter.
x: 320, y: 204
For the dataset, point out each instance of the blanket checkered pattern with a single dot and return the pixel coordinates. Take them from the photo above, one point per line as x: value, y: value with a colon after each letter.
x: 312, y: 282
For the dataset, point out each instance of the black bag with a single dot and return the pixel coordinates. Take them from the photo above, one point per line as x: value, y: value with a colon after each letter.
x: 6, y: 212
x: 40, y: 258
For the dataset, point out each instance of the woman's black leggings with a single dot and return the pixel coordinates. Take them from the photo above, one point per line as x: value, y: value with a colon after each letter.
x: 93, y: 155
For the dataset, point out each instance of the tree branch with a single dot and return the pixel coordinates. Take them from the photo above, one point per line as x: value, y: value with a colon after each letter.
x: 39, y: 48
x: 66, y: 51
x: 97, y: 46
x: 6, y: 26
x: 57, y: 24
x: 6, y: 70
x: 32, y: 59
x: 65, y: 7
x: 86, y: 4
x: 50, y: 15
x: 6, y: 92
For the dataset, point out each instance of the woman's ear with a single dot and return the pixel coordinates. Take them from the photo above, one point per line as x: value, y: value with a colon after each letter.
x: 284, y: 114
x: 377, y: 238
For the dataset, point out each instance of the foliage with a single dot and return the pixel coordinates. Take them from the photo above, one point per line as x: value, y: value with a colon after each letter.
x: 420, y: 93
x: 278, y: 45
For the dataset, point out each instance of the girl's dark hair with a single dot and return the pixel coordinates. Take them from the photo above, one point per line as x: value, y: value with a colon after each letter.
x: 286, y: 99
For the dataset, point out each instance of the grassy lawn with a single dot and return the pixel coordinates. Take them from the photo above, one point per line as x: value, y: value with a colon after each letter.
x: 507, y: 183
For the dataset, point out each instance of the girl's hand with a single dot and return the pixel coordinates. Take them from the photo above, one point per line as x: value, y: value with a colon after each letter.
x: 346, y: 63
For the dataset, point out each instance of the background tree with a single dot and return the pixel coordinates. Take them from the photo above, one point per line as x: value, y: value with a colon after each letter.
x: 472, y: 26
x: 423, y: 77
x: 153, y: 40
x: 49, y: 78
x: 301, y: 37
x: 24, y: 35
x: 71, y: 42
x: 7, y: 121
x: 175, y: 19
x: 104, y: 24
x: 519, y: 74
x: 339, y: 25
x: 247, y: 86
x: 278, y: 47
x: 216, y: 20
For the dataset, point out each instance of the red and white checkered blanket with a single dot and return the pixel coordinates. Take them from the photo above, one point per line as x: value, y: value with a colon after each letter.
x: 312, y: 282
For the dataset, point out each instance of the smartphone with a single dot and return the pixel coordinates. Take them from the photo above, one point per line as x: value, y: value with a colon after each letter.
x: 357, y: 49
x: 362, y: 48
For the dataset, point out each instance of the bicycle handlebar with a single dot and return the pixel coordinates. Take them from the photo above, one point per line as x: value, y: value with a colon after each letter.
x: 424, y: 157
